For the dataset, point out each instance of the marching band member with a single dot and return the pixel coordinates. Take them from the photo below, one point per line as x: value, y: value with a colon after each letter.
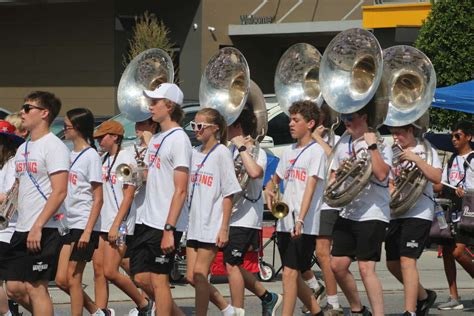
x: 408, y: 232
x: 15, y: 120
x: 41, y: 166
x: 327, y: 219
x: 164, y: 217
x: 116, y: 220
x: 213, y: 183
x: 144, y: 130
x: 455, y: 174
x: 302, y: 169
x: 9, y: 143
x: 83, y: 203
x: 360, y: 229
x: 246, y: 222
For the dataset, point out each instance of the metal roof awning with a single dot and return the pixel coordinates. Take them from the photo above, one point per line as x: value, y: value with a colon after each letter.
x: 293, y: 28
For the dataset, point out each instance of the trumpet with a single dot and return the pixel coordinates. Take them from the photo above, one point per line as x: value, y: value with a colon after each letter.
x: 130, y: 173
x: 9, y: 206
x: 279, y: 208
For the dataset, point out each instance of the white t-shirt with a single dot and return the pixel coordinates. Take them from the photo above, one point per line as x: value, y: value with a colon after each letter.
x: 249, y: 214
x: 7, y: 179
x: 174, y: 151
x: 85, y: 170
x: 469, y: 181
x: 113, y: 185
x: 46, y: 156
x: 324, y: 205
x: 138, y: 204
x: 424, y: 207
x: 214, y: 180
x: 455, y: 174
x: 373, y: 202
x: 295, y: 169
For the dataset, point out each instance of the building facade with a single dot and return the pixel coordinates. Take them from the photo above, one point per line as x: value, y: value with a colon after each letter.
x: 75, y: 48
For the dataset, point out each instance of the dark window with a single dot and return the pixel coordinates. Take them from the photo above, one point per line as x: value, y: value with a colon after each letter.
x: 278, y: 129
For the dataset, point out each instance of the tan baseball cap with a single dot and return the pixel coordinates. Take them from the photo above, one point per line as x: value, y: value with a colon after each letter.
x: 109, y: 127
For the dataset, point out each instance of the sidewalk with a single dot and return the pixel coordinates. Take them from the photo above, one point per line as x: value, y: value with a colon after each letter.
x: 431, y: 275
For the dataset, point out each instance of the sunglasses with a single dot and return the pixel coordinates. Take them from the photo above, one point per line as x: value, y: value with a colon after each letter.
x: 347, y: 117
x: 27, y: 107
x: 67, y: 127
x: 457, y: 136
x: 197, y: 127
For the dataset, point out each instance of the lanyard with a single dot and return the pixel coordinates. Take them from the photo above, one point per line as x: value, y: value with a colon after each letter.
x: 294, y: 161
x: 30, y: 175
x: 110, y: 181
x: 80, y: 154
x: 160, y: 145
x: 197, y: 172
x: 350, y: 145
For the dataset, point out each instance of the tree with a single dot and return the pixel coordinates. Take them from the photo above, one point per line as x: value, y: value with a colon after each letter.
x: 447, y: 38
x: 148, y: 33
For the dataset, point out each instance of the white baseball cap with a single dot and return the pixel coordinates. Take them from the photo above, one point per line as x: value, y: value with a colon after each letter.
x: 168, y: 91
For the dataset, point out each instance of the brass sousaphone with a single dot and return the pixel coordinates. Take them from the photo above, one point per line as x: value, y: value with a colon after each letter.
x: 146, y: 71
x: 350, y: 73
x: 407, y: 88
x: 226, y: 87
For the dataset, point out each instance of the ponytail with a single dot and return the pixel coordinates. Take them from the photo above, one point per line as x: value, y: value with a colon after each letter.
x: 82, y: 120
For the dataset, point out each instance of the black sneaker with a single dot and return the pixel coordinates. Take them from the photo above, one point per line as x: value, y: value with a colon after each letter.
x: 364, y: 312
x: 147, y: 310
x: 423, y: 307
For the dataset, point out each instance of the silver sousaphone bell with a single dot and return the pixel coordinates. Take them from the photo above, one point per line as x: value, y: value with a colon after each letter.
x: 146, y: 71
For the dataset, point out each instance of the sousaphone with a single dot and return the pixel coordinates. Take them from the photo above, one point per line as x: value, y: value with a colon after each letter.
x: 146, y: 71
x: 407, y: 88
x: 350, y: 73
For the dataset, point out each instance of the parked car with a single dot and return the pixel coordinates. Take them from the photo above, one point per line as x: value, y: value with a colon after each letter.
x: 4, y: 113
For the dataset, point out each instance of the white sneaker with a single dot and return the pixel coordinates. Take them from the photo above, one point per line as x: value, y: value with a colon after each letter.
x: 239, y: 311
x: 133, y: 312
x: 99, y: 312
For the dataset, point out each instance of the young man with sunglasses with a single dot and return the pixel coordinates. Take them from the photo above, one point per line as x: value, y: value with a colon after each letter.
x: 42, y: 165
x: 456, y: 174
x: 360, y: 229
x: 164, y: 218
x: 408, y: 232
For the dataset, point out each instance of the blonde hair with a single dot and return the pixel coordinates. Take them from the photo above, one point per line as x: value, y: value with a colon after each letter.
x: 214, y: 117
x: 15, y: 120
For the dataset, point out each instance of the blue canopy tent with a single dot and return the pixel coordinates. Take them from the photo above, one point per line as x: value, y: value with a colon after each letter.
x: 458, y: 97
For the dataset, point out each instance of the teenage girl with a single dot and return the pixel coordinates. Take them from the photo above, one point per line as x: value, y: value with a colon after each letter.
x: 83, y: 203
x: 115, y: 213
x: 212, y: 185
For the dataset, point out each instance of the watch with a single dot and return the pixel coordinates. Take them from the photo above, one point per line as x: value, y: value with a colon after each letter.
x: 242, y: 148
x: 372, y: 147
x: 169, y: 227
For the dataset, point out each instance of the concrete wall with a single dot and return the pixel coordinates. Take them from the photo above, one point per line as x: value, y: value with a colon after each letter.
x: 64, y: 48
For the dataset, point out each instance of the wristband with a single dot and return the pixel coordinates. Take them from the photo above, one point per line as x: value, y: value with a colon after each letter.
x: 300, y: 221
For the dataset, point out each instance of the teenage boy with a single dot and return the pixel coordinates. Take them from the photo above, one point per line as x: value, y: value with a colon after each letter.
x: 164, y: 218
x: 408, y: 232
x: 246, y: 221
x: 41, y: 168
x: 302, y: 171
x: 360, y: 229
x: 456, y: 174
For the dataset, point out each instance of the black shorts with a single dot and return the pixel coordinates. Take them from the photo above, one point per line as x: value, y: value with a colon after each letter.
x: 296, y: 253
x: 196, y: 244
x: 327, y: 221
x: 358, y: 240
x: 464, y: 237
x: 146, y: 254
x: 406, y: 237
x: 129, y: 240
x: 23, y: 265
x: 84, y: 254
x: 240, y: 241
x: 4, y: 246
